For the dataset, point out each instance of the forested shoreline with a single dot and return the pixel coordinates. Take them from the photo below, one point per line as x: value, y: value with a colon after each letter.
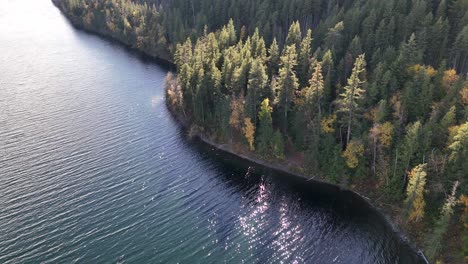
x: 369, y: 95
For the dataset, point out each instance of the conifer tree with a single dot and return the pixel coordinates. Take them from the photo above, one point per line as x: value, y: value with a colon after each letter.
x: 327, y: 66
x: 197, y: 87
x: 274, y: 58
x: 304, y: 59
x: 258, y: 49
x: 287, y: 83
x: 231, y: 32
x: 277, y: 145
x: 265, y: 128
x: 294, y: 35
x: 256, y: 88
x: 408, y: 148
x: 459, y: 146
x: 334, y: 37
x: 352, y: 94
x: 460, y: 51
x: 314, y: 92
x: 409, y: 55
x: 435, y: 238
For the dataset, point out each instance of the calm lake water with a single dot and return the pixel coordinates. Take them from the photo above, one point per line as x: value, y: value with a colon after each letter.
x: 94, y: 170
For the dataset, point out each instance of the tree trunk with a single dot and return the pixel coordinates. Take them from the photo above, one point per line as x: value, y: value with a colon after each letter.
x: 375, y: 156
x: 396, y: 161
x: 348, y: 136
x: 285, y: 122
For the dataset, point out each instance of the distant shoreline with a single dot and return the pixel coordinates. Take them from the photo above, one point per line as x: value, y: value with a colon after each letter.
x: 167, y: 63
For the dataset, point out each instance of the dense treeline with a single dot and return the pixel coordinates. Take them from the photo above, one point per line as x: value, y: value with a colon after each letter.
x: 377, y: 28
x: 439, y: 25
x: 369, y: 94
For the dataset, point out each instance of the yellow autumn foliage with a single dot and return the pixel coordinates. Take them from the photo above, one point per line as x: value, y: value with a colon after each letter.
x: 327, y: 124
x: 415, y: 192
x: 249, y: 132
x: 450, y: 77
x: 353, y: 152
x: 386, y: 134
x: 453, y: 131
x: 459, y: 142
x: 464, y: 96
x: 430, y: 71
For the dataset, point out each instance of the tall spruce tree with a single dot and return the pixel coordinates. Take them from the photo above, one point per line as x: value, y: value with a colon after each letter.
x: 265, y: 128
x: 304, y: 59
x: 287, y: 83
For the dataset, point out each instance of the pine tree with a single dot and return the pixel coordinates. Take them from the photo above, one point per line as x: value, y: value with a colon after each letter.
x: 410, y: 54
x: 314, y: 92
x: 183, y: 53
x: 460, y: 51
x: 434, y: 240
x: 334, y: 37
x: 222, y: 110
x: 197, y: 88
x: 287, y: 83
x: 327, y: 66
x: 447, y: 121
x: 274, y: 58
x: 256, y: 88
x: 409, y: 147
x: 418, y: 106
x: 231, y: 32
x: 294, y: 35
x: 459, y: 146
x: 277, y: 145
x: 304, y: 59
x: 265, y: 128
x: 258, y: 49
x: 353, y: 92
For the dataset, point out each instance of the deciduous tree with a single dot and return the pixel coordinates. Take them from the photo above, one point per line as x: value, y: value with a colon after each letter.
x: 415, y: 193
x: 249, y: 132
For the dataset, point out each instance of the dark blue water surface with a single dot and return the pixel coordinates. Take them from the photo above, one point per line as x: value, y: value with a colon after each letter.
x: 94, y: 170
